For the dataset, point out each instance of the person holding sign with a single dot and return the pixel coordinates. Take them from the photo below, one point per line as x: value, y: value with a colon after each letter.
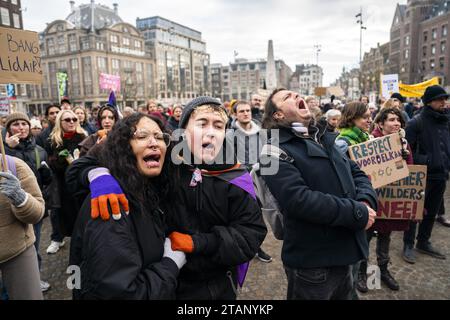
x: 387, y: 122
x: 21, y: 206
x: 429, y: 137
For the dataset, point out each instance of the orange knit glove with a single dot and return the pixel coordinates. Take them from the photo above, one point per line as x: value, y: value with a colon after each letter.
x: 181, y: 242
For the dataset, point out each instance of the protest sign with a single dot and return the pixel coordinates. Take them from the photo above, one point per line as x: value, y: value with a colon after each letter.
x: 20, y: 57
x: 381, y: 159
x: 404, y: 199
x: 4, y: 106
x: 109, y: 82
x: 389, y: 85
x: 320, y: 91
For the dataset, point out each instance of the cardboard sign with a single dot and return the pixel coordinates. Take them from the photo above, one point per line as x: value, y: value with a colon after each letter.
x: 404, y: 199
x: 381, y: 159
x: 109, y: 82
x: 320, y: 91
x: 20, y: 57
x: 4, y: 106
x: 389, y: 85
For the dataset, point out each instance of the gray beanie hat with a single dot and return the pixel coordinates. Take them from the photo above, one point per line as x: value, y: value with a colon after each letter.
x: 17, y: 116
x: 189, y: 108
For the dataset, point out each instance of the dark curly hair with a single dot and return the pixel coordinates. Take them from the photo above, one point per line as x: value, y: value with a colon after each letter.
x: 117, y: 155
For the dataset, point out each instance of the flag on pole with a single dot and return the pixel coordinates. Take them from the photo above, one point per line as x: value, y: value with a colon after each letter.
x: 112, y: 102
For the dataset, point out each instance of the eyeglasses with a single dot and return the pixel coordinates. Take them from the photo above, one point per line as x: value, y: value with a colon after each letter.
x: 68, y: 120
x: 143, y: 137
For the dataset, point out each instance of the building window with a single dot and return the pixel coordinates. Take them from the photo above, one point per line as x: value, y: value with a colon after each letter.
x: 434, y: 34
x: 62, y: 45
x: 406, y: 57
x: 137, y: 44
x: 425, y: 36
x: 4, y: 13
x: 101, y: 64
x: 51, y: 46
x: 407, y: 40
x: 444, y: 31
x: 443, y: 45
x: 433, y: 49
x: 72, y: 42
x: 126, y: 41
x: 14, y: 2
x: 441, y: 63
x: 424, y: 50
x: 100, y: 46
x: 74, y: 64
x: 115, y: 63
x: 424, y: 66
x: 16, y: 21
x: 85, y: 44
x: 114, y: 39
x: 432, y: 64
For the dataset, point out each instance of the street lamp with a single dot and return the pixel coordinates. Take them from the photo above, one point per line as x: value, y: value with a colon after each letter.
x: 360, y: 21
x: 317, y: 48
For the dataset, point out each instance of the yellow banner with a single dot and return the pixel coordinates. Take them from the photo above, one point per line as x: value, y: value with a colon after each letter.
x: 416, y: 90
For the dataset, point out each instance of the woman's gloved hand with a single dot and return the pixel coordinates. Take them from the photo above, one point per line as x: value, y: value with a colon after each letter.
x: 10, y: 188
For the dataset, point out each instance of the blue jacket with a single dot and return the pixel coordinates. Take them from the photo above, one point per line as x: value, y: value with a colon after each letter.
x: 320, y: 196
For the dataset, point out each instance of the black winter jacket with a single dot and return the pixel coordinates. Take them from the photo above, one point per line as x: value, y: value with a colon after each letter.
x: 227, y: 229
x: 64, y: 201
x: 430, y: 142
x: 224, y: 220
x: 320, y: 196
x: 32, y: 155
x: 122, y: 259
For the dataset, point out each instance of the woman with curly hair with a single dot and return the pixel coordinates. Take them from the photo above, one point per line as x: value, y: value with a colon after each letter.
x: 130, y: 259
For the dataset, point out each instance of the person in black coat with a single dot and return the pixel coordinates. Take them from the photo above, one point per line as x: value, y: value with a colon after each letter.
x: 213, y: 216
x: 326, y: 200
x: 51, y: 112
x: 130, y: 258
x: 429, y: 137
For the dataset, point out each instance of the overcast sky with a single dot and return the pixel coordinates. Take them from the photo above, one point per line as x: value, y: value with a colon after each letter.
x: 245, y: 26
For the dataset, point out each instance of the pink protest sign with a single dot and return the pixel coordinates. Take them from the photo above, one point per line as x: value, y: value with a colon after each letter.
x: 109, y: 81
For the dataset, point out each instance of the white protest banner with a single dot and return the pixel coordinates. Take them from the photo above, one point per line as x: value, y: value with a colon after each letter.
x: 20, y: 57
x: 389, y: 85
x: 381, y: 159
x: 404, y: 199
x: 4, y: 106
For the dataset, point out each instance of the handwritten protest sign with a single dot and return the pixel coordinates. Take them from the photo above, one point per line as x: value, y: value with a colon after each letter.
x: 20, y: 57
x: 109, y: 82
x: 4, y: 106
x: 389, y: 85
x: 405, y: 198
x: 381, y: 159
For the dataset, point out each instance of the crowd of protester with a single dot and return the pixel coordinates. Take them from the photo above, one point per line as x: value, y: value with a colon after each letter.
x: 157, y: 215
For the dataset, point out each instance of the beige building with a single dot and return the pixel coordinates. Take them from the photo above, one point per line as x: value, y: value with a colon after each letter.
x: 92, y: 40
x: 181, y: 60
x: 244, y: 77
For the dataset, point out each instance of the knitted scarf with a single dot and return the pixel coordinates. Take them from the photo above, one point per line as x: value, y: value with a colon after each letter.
x: 353, y: 135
